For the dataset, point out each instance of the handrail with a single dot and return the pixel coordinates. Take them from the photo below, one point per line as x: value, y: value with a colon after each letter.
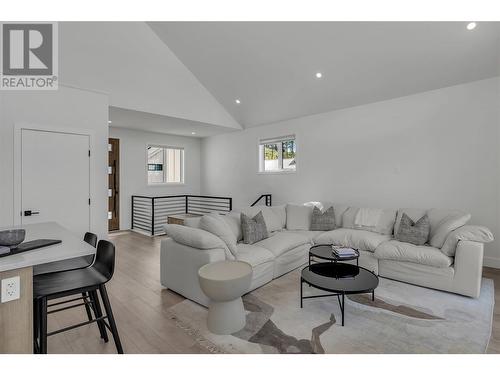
x: 266, y: 196
x: 150, y: 212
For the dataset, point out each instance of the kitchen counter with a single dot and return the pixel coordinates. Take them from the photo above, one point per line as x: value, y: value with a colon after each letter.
x: 71, y: 246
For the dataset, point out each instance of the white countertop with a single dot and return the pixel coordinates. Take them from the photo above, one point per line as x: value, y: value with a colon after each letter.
x: 71, y: 246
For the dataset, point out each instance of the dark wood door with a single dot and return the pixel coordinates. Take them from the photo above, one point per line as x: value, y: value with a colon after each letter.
x: 114, y: 184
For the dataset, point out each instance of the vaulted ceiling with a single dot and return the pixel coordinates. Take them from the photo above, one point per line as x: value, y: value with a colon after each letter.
x: 184, y: 77
x: 270, y: 66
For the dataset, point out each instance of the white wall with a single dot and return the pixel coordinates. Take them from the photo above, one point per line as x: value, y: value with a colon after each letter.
x: 130, y: 62
x: 63, y: 108
x: 435, y: 149
x: 133, y: 178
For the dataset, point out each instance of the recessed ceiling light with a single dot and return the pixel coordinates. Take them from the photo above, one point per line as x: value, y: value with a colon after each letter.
x: 238, y: 101
x: 319, y: 75
x: 193, y: 133
x: 109, y: 121
x: 471, y: 26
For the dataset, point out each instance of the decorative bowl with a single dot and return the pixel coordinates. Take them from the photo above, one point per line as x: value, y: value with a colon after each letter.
x: 12, y: 238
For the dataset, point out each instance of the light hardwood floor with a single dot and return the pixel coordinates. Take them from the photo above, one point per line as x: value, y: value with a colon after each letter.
x: 140, y: 303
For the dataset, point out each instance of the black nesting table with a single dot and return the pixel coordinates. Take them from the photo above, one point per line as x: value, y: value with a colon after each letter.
x: 338, y: 279
x: 325, y: 252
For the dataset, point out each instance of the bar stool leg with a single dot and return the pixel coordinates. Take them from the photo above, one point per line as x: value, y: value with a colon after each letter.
x: 42, y: 308
x: 35, y: 325
x: 87, y: 307
x: 111, y: 319
x: 98, y: 314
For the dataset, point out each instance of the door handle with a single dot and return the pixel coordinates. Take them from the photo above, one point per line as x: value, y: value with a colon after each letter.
x: 30, y: 213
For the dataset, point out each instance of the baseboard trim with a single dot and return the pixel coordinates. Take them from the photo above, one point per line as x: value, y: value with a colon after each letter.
x: 491, y: 262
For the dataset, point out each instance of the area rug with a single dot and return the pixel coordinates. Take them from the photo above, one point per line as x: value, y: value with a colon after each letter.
x: 403, y: 319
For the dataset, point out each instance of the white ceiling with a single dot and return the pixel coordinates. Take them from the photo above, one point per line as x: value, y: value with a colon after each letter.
x: 271, y: 66
x: 129, y: 119
x: 129, y: 62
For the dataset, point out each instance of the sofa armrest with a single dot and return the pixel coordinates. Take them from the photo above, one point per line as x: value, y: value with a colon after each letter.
x: 179, y: 265
x: 475, y: 233
x: 468, y: 268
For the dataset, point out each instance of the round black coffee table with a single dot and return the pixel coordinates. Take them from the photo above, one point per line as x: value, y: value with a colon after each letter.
x: 339, y: 279
x: 325, y: 252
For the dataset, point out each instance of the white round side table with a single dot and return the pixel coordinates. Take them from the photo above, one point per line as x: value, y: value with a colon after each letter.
x: 224, y: 283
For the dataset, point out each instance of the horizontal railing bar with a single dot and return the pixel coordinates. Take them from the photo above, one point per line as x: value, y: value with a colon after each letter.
x: 144, y: 213
x: 207, y: 196
x: 142, y: 218
x: 168, y: 207
x: 208, y: 201
x: 141, y: 224
x: 143, y: 227
x: 180, y: 195
x: 207, y: 205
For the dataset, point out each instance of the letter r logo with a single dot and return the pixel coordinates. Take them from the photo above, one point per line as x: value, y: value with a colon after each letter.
x: 27, y: 49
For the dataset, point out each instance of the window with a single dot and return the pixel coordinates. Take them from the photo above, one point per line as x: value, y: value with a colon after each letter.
x: 278, y: 154
x: 165, y: 165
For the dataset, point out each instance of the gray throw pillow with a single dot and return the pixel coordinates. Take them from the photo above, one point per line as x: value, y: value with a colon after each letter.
x: 416, y: 233
x: 254, y: 229
x: 323, y: 220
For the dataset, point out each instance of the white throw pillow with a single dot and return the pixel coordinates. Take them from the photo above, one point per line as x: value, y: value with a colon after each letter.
x: 280, y: 211
x: 385, y: 223
x: 443, y: 222
x: 197, y: 238
x: 233, y: 220
x: 339, y: 210
x: 466, y: 233
x: 214, y: 224
x: 298, y: 217
x: 193, y: 222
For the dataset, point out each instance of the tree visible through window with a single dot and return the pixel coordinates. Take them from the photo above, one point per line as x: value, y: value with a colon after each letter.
x: 277, y: 155
x: 165, y: 165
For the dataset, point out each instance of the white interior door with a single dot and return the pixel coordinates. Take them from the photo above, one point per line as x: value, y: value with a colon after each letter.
x: 55, y: 179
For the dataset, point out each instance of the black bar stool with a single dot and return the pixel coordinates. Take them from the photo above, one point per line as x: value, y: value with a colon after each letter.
x: 71, y: 264
x: 88, y: 280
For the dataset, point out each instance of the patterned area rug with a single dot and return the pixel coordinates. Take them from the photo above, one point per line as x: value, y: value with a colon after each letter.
x: 402, y: 319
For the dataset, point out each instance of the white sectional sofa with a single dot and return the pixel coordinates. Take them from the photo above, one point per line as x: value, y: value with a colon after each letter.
x: 451, y: 261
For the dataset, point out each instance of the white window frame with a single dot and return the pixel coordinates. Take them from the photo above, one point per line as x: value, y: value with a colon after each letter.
x: 275, y: 140
x: 183, y: 160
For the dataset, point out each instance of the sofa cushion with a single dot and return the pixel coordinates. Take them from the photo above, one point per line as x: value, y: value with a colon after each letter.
x: 280, y: 211
x: 254, y: 229
x: 406, y: 252
x: 443, y: 222
x: 281, y: 242
x: 309, y: 234
x: 323, y: 220
x: 197, y: 238
x: 271, y: 216
x: 414, y: 232
x: 298, y: 217
x: 466, y: 233
x: 358, y: 239
x: 385, y: 223
x: 215, y: 224
x: 254, y: 255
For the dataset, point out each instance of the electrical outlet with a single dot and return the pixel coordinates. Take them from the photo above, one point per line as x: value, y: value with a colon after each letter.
x: 10, y: 289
